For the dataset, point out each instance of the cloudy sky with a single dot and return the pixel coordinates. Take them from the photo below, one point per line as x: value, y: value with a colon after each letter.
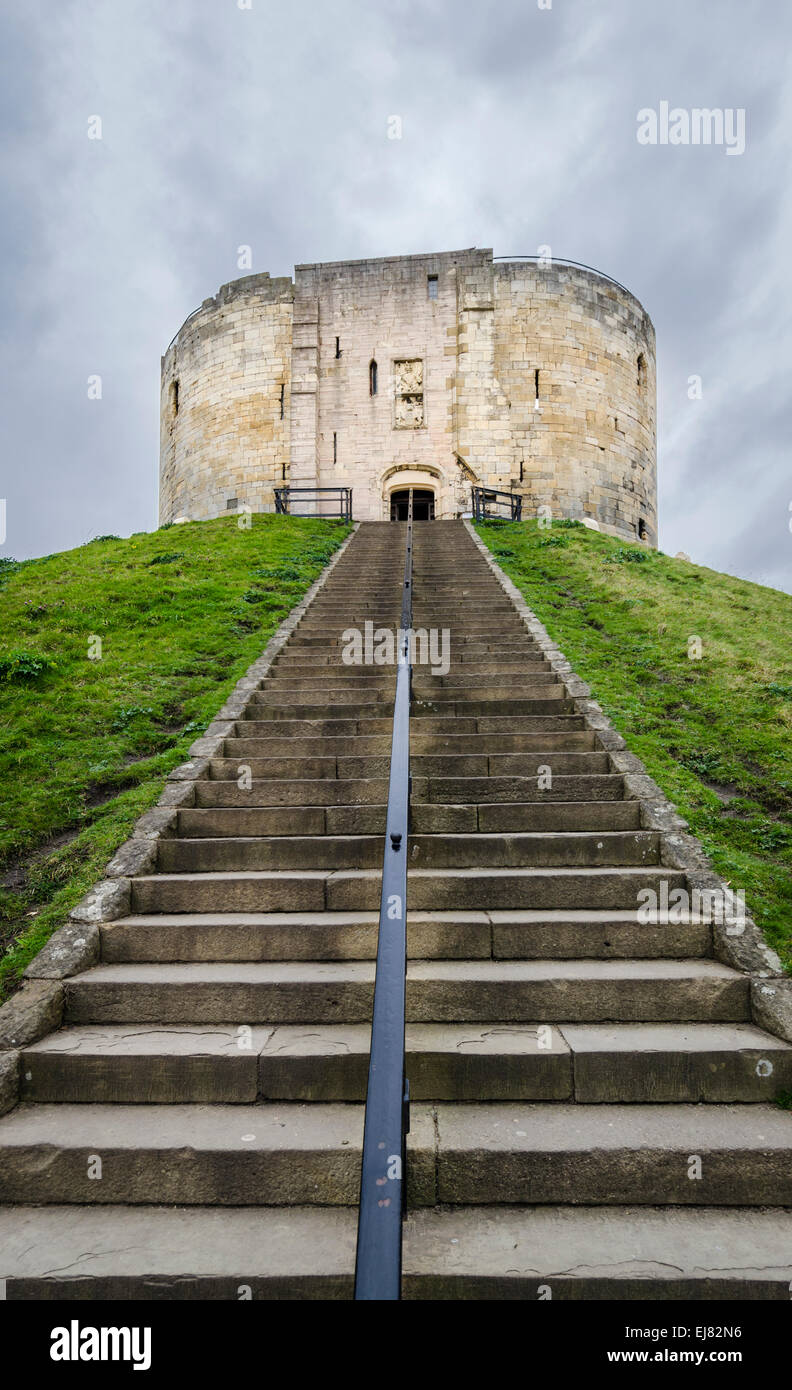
x: 254, y: 122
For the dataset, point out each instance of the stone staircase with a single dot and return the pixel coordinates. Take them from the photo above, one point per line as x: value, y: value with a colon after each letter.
x: 194, y: 1129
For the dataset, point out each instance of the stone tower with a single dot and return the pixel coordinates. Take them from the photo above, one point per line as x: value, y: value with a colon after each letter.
x: 434, y: 372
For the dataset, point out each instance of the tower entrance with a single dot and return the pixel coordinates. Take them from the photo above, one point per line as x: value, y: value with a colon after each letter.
x: 423, y: 504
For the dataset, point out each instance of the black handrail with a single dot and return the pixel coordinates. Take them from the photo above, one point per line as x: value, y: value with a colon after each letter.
x: 343, y: 495
x: 387, y: 1122
x: 486, y: 497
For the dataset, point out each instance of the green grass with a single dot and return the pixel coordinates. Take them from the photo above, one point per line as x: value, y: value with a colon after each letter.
x: 85, y: 743
x: 714, y: 733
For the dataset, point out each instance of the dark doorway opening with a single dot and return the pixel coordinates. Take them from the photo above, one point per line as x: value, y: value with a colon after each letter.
x: 423, y: 505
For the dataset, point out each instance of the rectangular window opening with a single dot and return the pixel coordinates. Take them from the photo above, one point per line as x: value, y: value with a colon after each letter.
x: 232, y: 503
x: 431, y: 286
x: 338, y: 347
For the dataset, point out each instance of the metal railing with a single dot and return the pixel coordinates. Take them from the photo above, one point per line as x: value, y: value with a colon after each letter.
x: 490, y: 501
x: 548, y: 262
x: 341, y: 495
x: 387, y: 1123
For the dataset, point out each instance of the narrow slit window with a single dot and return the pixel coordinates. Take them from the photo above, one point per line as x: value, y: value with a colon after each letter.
x: 431, y: 286
x: 641, y: 370
x: 372, y: 378
x: 641, y: 529
x: 338, y: 347
x: 335, y: 447
x: 282, y: 400
x: 174, y: 394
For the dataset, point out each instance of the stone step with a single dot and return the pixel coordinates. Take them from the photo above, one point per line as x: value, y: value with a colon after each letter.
x: 632, y: 1064
x: 569, y: 935
x: 481, y: 674
x: 294, y: 791
x: 445, y: 791
x: 304, y: 645
x: 471, y: 707
x: 597, y: 1253
x: 480, y: 710
x: 426, y: 818
x: 296, y: 729
x: 444, y: 890
x: 437, y: 991
x: 430, y: 935
x: 535, y: 689
x: 480, y: 765
x: 243, y: 745
x: 356, y: 708
x: 338, y: 677
x: 562, y: 722
x: 420, y: 726
x: 667, y: 1062
x: 497, y: 790
x: 498, y: 743
x: 349, y: 609
x: 439, y: 890
x: 218, y: 1155
x: 510, y: 816
x: 343, y: 689
x: 314, y: 663
x: 610, y: 1154
x: 230, y: 854
x: 289, y: 936
x: 489, y: 1154
x: 151, y: 1252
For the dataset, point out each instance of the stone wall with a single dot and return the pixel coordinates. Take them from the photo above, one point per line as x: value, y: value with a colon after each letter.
x: 383, y: 312
x: 222, y: 438
x: 590, y: 448
x: 416, y: 371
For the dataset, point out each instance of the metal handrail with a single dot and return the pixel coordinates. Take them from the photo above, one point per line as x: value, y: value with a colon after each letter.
x: 484, y: 496
x: 387, y: 1122
x: 283, y: 496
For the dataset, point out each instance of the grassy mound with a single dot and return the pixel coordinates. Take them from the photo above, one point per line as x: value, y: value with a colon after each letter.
x: 715, y: 732
x: 113, y: 659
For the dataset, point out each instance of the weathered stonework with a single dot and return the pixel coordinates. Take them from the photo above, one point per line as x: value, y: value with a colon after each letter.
x: 225, y: 382
x: 434, y: 372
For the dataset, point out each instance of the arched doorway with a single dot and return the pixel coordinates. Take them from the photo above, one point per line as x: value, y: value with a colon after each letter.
x: 423, y: 504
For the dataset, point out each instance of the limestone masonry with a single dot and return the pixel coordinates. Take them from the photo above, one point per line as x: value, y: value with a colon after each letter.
x: 436, y: 372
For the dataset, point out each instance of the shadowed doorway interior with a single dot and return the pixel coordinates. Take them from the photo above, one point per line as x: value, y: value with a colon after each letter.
x: 423, y: 505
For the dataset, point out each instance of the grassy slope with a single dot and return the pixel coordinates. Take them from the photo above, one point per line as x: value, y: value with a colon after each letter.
x: 84, y: 746
x: 715, y: 733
